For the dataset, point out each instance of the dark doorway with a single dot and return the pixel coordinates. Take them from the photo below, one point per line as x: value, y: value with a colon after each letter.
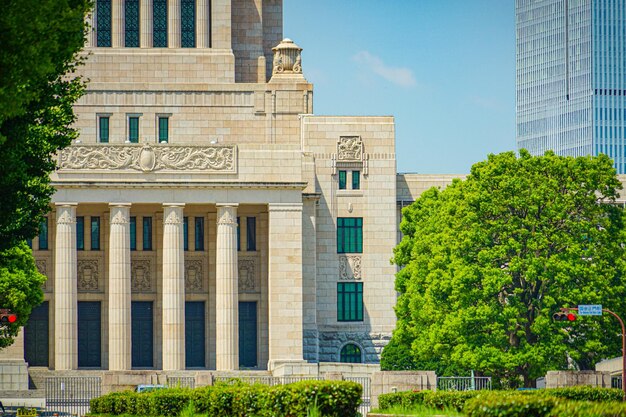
x: 36, y: 336
x: 142, y: 334
x: 247, y: 334
x: 194, y: 334
x: 89, y: 334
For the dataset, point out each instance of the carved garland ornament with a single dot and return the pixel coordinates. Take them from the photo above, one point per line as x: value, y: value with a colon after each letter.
x: 141, y: 280
x: 350, y: 148
x: 247, y: 276
x: 193, y: 275
x: 350, y: 267
x: 42, y: 267
x: 149, y: 158
x: 88, y: 275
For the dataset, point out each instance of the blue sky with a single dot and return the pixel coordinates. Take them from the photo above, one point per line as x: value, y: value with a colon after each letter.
x: 444, y: 68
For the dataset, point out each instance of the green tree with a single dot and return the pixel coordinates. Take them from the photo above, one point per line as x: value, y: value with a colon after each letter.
x: 488, y: 260
x: 40, y: 40
x: 20, y: 286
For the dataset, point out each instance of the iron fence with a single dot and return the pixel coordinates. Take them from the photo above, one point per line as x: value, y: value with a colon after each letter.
x: 464, y: 383
x: 71, y: 394
x: 181, y: 381
x: 365, y: 382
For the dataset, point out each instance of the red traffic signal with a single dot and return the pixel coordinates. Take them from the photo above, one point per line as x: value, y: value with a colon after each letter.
x: 564, y: 317
x: 7, y: 317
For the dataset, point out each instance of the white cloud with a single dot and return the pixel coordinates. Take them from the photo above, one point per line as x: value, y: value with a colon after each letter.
x: 397, y: 75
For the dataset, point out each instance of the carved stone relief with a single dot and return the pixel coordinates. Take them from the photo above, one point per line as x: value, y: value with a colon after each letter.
x: 141, y: 275
x: 42, y: 267
x: 88, y: 274
x: 247, y: 275
x: 194, y: 276
x: 149, y: 158
x: 350, y: 267
x: 350, y: 148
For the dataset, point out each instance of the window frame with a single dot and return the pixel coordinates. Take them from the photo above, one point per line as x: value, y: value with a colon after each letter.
x: 130, y: 119
x: 356, y: 180
x: 80, y: 233
x: 94, y: 232
x: 101, y: 118
x: 184, y: 31
x: 350, y: 301
x: 166, y: 118
x: 132, y: 39
x: 146, y: 233
x: 349, y: 237
x: 156, y: 33
x: 342, y: 177
x: 104, y: 35
x: 43, y: 234
x: 185, y: 233
x: 344, y: 355
x: 251, y: 234
x: 132, y: 232
x: 199, y: 234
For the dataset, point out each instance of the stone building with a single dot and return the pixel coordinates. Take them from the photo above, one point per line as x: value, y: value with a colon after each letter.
x: 205, y: 218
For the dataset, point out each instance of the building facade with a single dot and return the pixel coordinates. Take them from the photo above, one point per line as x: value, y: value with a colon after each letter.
x: 205, y: 218
x: 571, y: 77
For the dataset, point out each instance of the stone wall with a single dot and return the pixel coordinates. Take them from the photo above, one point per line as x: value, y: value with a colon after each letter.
x: 562, y: 379
x: 395, y: 381
x: 13, y: 375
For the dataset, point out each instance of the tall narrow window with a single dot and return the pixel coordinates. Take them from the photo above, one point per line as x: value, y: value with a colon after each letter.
x: 238, y: 233
x: 159, y: 23
x: 43, y: 234
x: 186, y: 233
x: 103, y: 129
x: 188, y: 23
x: 147, y: 233
x: 131, y: 23
x: 133, y: 129
x: 350, y: 301
x: 199, y: 234
x: 95, y: 233
x: 356, y: 180
x: 251, y: 233
x: 80, y: 233
x: 163, y: 129
x: 342, y: 180
x: 133, y: 233
x: 103, y: 23
x: 350, y: 235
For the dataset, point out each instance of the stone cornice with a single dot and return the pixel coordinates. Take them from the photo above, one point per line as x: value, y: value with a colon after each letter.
x: 183, y: 183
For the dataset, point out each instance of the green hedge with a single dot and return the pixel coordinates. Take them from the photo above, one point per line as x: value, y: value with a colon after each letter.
x: 333, y: 399
x: 498, y: 405
x: 583, y: 393
x: 588, y: 409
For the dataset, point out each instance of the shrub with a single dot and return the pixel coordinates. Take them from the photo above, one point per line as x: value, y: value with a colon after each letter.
x: 404, y: 399
x: 454, y: 400
x: 497, y: 405
x: 584, y: 393
x: 588, y: 409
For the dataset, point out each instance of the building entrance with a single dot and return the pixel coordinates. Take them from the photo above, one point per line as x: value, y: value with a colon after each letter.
x: 89, y: 334
x: 142, y: 334
x: 36, y: 336
x: 194, y: 334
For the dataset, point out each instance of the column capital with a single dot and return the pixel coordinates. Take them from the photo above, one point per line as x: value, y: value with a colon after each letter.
x: 119, y: 213
x: 66, y: 204
x: 235, y: 205
x: 120, y: 204
x: 173, y: 213
x: 227, y: 214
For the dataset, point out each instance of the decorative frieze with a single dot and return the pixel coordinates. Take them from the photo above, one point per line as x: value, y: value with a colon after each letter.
x: 350, y: 267
x: 247, y: 276
x: 149, y: 158
x: 88, y: 274
x: 194, y: 275
x: 42, y: 267
x: 349, y: 148
x: 141, y: 275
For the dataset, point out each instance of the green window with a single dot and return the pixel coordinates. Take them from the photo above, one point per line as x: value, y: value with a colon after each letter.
x: 80, y: 233
x: 147, y: 233
x: 199, y: 233
x: 356, y: 180
x: 251, y: 233
x: 163, y: 129
x: 186, y: 233
x: 350, y: 353
x: 95, y: 233
x: 133, y: 233
x: 43, y: 234
x: 133, y: 129
x: 350, y: 301
x: 103, y: 23
x: 188, y: 23
x: 131, y: 23
x: 350, y: 235
x: 342, y: 180
x: 159, y: 23
x: 238, y: 234
x: 103, y: 128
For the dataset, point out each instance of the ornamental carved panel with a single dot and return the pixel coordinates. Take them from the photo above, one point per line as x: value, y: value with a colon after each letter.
x: 247, y: 276
x: 149, y: 158
x: 88, y: 275
x: 141, y: 275
x: 350, y: 267
x: 194, y: 275
x: 350, y: 148
x: 42, y: 267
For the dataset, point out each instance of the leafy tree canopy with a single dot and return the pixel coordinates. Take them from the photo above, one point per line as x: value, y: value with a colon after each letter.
x: 40, y: 40
x: 488, y: 260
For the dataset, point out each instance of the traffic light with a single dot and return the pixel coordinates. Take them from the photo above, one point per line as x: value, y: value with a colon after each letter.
x: 564, y: 316
x: 7, y: 317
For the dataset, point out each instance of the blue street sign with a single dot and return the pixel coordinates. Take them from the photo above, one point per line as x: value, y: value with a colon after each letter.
x: 590, y: 310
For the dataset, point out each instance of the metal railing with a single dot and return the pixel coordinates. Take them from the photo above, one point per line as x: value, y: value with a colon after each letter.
x: 365, y: 382
x: 463, y: 383
x: 71, y: 394
x: 181, y: 381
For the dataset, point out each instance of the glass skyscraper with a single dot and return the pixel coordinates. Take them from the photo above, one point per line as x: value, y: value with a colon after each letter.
x: 571, y: 77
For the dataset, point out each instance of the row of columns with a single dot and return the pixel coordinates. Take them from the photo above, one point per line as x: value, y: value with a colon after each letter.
x: 208, y: 13
x: 65, y: 290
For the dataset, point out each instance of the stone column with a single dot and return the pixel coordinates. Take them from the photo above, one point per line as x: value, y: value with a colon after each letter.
x: 145, y: 24
x: 173, y: 24
x: 221, y: 24
x: 285, y: 282
x: 117, y: 30
x: 173, y: 289
x: 65, y: 277
x: 119, y: 288
x: 226, y: 290
x: 202, y: 24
